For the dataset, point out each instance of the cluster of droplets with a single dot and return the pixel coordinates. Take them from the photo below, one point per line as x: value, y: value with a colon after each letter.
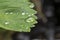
x: 9, y: 13
x: 24, y: 13
x: 6, y: 23
x: 30, y: 19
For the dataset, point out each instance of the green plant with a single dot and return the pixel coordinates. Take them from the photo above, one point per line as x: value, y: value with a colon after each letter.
x: 17, y: 15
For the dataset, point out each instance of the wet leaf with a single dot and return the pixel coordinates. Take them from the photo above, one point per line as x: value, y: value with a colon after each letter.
x: 17, y: 15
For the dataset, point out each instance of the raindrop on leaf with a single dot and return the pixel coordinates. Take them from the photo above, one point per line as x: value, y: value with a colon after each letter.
x: 23, y: 13
x: 6, y: 23
x: 30, y: 20
x: 31, y: 6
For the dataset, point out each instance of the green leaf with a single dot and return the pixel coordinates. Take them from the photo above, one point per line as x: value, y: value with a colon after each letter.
x: 17, y: 15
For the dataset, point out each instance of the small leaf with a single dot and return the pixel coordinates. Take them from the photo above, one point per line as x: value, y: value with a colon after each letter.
x: 17, y: 15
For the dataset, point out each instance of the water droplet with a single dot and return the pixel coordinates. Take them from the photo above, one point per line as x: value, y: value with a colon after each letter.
x: 6, y: 22
x: 30, y: 20
x: 31, y: 6
x: 11, y: 12
x: 23, y: 13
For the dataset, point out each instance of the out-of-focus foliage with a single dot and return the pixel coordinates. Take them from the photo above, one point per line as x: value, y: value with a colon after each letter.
x: 17, y: 15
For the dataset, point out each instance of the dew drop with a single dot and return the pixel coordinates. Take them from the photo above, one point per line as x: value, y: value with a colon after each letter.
x: 23, y: 13
x: 6, y: 23
x: 31, y: 6
x: 30, y: 20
